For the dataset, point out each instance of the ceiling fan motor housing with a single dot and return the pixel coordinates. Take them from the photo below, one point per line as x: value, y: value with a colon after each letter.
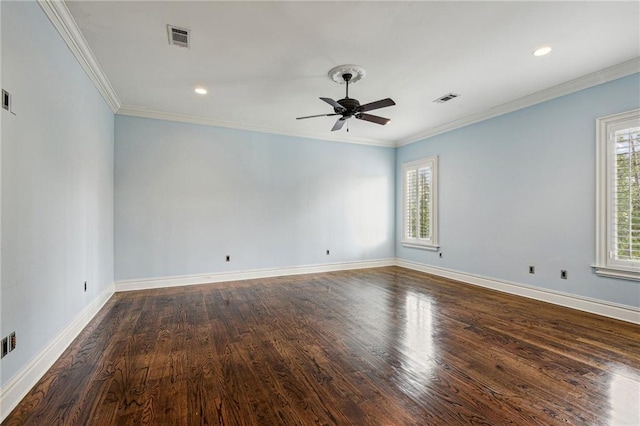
x: 351, y: 105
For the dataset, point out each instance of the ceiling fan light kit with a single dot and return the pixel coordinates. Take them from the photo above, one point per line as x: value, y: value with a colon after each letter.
x: 350, y: 107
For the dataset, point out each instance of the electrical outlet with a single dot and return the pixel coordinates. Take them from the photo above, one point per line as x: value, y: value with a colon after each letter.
x: 4, y: 350
x: 12, y: 341
x: 563, y: 274
x: 6, y: 100
x: 532, y: 269
x: 228, y: 258
x: 327, y: 252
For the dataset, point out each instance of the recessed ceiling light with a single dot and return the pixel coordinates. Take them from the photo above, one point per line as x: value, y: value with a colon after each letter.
x: 201, y: 91
x: 542, y: 51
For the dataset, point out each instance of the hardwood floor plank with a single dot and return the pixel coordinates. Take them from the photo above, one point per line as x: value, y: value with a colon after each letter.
x: 384, y: 346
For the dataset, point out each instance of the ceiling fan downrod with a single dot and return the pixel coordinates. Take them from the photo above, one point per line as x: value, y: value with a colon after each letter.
x: 347, y: 77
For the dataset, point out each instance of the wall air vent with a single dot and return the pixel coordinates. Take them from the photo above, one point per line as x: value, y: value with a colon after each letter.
x: 178, y: 36
x: 446, y: 98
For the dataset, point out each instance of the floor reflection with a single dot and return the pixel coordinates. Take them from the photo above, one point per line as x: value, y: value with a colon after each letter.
x: 417, y: 337
x: 624, y: 395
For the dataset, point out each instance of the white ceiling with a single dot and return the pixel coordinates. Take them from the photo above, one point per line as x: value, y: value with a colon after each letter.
x: 265, y: 63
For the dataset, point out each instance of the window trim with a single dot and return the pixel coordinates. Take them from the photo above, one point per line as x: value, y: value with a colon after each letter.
x: 432, y: 243
x: 605, y: 266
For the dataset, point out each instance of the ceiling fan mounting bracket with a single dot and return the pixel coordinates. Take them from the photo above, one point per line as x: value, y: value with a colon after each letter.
x: 337, y: 74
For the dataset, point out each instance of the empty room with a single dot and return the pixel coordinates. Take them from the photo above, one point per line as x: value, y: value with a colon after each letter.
x: 320, y: 212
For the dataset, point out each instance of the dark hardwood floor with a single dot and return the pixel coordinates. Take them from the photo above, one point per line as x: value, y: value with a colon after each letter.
x: 385, y: 346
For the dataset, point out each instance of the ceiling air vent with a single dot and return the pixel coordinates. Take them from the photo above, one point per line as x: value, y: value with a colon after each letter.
x: 446, y: 98
x: 178, y: 36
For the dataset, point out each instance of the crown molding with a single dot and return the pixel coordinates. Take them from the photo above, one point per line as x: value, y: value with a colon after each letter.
x: 134, y: 111
x: 62, y: 20
x: 599, y: 77
x: 590, y: 80
x: 60, y: 17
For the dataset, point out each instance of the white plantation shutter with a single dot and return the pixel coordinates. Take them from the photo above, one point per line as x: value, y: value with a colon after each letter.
x: 411, y: 205
x: 626, y: 202
x: 618, y: 196
x: 424, y: 201
x: 419, y: 203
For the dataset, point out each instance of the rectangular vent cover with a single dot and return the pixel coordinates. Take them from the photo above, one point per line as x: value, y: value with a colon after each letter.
x: 178, y: 36
x: 446, y: 98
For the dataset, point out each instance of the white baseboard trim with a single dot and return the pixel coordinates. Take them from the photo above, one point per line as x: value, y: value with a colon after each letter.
x: 22, y: 382
x: 594, y: 306
x: 145, y: 284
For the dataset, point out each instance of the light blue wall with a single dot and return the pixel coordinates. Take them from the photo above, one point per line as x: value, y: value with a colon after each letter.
x: 188, y: 195
x: 515, y: 190
x: 57, y: 185
x: 519, y: 190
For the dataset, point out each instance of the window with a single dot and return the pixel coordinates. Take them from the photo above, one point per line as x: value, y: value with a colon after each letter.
x: 420, y: 203
x: 618, y: 196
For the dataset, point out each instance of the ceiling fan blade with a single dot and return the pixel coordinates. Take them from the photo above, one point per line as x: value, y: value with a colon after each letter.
x: 339, y: 124
x: 313, y: 116
x: 382, y: 103
x: 373, y: 118
x: 333, y: 103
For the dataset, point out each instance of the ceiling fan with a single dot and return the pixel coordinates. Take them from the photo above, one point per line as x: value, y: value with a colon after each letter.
x: 349, y: 107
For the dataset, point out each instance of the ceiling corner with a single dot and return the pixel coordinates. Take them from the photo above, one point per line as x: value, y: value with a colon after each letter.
x: 60, y: 17
x: 614, y: 72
